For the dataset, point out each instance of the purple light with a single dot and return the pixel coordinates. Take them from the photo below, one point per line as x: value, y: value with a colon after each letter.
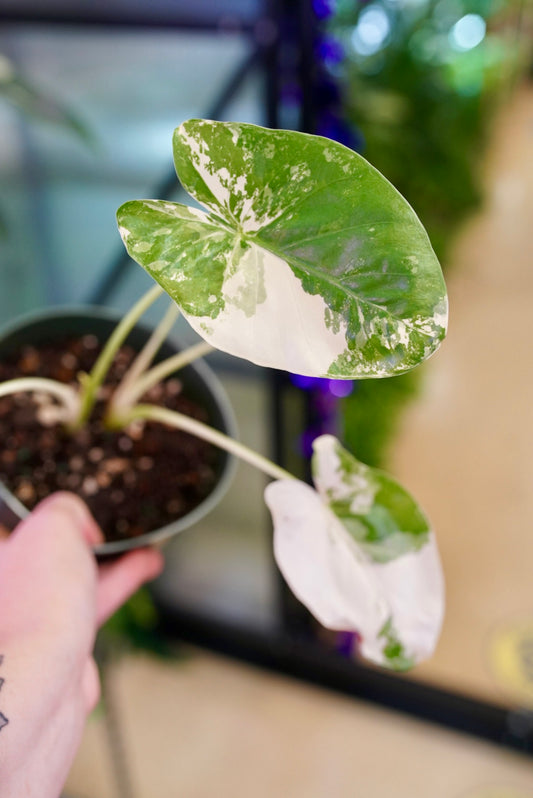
x: 340, y: 388
x: 324, y: 8
x: 306, y: 383
x: 345, y: 643
x: 332, y: 126
x: 306, y: 442
x: 330, y: 50
x: 348, y: 643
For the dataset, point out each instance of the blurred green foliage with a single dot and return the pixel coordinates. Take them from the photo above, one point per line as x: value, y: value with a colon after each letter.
x: 135, y: 626
x: 421, y: 80
x: 371, y: 414
x: 39, y: 105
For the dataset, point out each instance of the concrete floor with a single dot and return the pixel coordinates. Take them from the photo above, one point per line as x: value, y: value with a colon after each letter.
x: 204, y: 726
x: 208, y: 727
x: 466, y: 449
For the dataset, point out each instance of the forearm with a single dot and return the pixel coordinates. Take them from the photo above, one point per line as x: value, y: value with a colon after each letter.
x: 41, y: 724
x: 52, y: 599
x: 48, y: 584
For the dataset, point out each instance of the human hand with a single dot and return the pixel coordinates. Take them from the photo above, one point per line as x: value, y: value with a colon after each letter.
x: 53, y: 598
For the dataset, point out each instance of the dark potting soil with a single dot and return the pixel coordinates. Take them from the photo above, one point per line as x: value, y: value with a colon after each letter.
x: 135, y: 480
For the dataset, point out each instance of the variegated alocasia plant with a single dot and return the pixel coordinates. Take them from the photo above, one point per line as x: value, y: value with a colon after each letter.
x: 305, y: 259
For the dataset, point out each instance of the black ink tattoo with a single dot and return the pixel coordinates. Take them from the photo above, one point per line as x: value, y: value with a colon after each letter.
x: 3, y: 720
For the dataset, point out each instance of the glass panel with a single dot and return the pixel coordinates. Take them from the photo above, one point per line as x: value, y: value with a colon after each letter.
x: 58, y: 195
x: 59, y: 190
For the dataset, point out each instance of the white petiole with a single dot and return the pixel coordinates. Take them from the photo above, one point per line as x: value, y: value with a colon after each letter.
x: 179, y: 421
x: 65, y: 394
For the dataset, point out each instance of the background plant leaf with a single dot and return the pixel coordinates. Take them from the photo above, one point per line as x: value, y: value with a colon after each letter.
x: 37, y: 105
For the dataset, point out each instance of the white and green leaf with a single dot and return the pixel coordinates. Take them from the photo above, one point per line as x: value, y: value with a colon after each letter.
x: 373, y: 569
x: 307, y: 259
x: 381, y: 516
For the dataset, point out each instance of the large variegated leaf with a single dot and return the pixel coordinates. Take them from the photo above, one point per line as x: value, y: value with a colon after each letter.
x: 354, y: 572
x: 307, y: 259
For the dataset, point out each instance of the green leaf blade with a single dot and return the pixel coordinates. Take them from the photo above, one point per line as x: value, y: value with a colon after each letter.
x: 375, y: 509
x: 327, y: 270
x: 170, y: 241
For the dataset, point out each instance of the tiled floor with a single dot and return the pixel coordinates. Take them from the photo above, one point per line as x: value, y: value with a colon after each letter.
x: 204, y: 726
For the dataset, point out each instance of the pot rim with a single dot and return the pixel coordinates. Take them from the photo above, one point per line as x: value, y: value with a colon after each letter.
x: 12, y: 510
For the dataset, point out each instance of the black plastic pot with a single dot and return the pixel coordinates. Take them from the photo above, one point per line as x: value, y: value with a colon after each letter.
x: 198, y: 380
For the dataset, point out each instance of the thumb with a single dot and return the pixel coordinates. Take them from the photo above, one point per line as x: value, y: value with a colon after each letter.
x: 47, y: 571
x: 62, y: 510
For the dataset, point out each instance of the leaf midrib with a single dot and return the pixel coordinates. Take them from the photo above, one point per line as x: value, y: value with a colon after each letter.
x: 214, y: 220
x: 328, y: 233
x: 313, y: 271
x: 255, y: 238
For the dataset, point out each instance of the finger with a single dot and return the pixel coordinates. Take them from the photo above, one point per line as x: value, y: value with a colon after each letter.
x: 48, y: 574
x: 120, y: 579
x: 71, y: 509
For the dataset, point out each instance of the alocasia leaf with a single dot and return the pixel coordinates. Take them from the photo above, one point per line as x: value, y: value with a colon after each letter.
x: 376, y: 510
x: 381, y: 578
x: 307, y: 259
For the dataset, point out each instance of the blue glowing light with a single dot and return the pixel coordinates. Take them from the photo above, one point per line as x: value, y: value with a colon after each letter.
x: 468, y: 32
x: 372, y: 30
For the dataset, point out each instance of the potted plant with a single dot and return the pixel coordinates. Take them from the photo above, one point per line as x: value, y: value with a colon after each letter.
x: 115, y: 472
x: 305, y: 259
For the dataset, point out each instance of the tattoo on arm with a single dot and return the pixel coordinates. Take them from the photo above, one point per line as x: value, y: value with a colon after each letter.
x: 3, y: 720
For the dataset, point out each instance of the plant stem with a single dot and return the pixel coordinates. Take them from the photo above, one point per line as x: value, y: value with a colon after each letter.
x: 92, y: 382
x: 147, y: 353
x: 187, y: 424
x: 66, y: 395
x: 124, y: 400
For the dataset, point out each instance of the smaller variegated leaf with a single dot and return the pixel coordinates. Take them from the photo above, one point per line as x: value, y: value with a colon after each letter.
x: 394, y: 598
x: 305, y: 259
x: 381, y: 516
